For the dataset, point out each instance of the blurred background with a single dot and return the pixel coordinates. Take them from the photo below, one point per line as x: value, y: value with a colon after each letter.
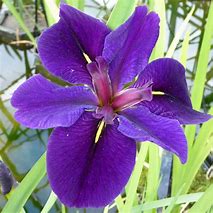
x: 21, y: 22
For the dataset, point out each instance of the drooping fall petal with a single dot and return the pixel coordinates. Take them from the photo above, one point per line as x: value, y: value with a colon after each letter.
x: 139, y: 123
x: 171, y: 107
x: 42, y: 104
x: 87, y: 174
x: 168, y: 76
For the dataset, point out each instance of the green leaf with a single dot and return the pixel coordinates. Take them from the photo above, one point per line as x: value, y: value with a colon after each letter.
x: 159, y: 8
x: 173, y: 202
x: 20, y: 20
x: 79, y: 4
x: 119, y: 203
x: 184, y: 49
x: 135, y: 177
x: 153, y: 177
x: 167, y: 201
x: 52, y: 11
x: 202, y: 66
x: 26, y: 187
x: 204, y: 203
x: 50, y: 202
x: 120, y: 13
x: 179, y: 33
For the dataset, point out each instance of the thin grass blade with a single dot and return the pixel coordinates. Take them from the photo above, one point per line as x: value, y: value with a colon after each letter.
x: 79, y: 4
x: 204, y: 203
x: 50, y: 202
x: 188, y: 198
x: 178, y: 35
x: 120, y: 13
x: 135, y: 177
x: 52, y: 11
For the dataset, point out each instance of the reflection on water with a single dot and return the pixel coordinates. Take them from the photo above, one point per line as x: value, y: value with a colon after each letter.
x: 20, y: 148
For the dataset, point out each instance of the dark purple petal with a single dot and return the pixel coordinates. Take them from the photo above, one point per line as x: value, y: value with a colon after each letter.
x: 83, y: 173
x: 139, y: 123
x: 168, y: 76
x: 89, y: 32
x: 170, y: 107
x: 42, y: 104
x: 61, y: 55
x: 128, y: 48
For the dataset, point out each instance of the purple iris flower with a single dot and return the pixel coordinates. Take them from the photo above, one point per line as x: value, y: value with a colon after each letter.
x: 117, y: 92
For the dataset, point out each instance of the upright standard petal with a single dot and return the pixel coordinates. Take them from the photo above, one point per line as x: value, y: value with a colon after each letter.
x: 61, y: 55
x: 127, y: 49
x: 171, y: 107
x: 83, y: 173
x: 42, y: 104
x: 139, y: 123
x: 168, y: 76
x: 89, y: 32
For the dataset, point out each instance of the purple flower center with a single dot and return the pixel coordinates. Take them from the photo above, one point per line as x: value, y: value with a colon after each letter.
x: 110, y: 103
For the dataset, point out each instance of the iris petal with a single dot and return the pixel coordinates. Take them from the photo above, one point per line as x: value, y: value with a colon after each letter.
x: 127, y: 49
x: 168, y: 76
x: 139, y: 123
x: 61, y: 55
x: 89, y: 32
x: 170, y: 107
x: 42, y: 104
x: 83, y: 173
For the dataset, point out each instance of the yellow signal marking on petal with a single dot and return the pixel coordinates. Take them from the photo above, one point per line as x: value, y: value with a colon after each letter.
x: 157, y: 93
x: 87, y: 58
x: 100, y: 128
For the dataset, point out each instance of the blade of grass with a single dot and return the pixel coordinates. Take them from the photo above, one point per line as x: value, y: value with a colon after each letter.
x: 79, y: 4
x: 188, y: 198
x: 153, y: 173
x: 50, y: 202
x: 204, y: 203
x: 106, y: 209
x: 122, y: 10
x: 200, y: 77
x: 179, y: 33
x: 135, y: 177
x: 63, y: 209
x: 173, y: 201
x: 119, y: 203
x: 52, y: 11
x: 26, y: 187
x: 159, y: 8
x: 184, y: 49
